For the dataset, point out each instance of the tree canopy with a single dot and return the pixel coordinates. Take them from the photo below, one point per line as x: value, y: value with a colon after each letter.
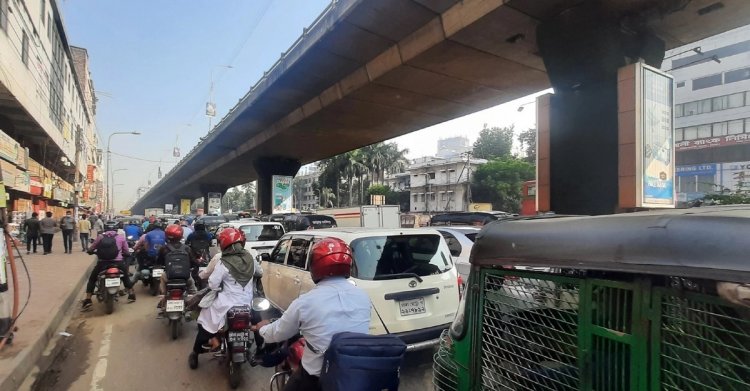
x: 493, y: 143
x: 499, y: 182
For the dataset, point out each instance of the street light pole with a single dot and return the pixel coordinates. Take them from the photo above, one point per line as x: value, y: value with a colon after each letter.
x: 211, y: 94
x: 109, y: 165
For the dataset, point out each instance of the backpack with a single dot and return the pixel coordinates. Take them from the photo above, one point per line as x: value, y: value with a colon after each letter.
x: 177, y: 262
x: 107, y: 249
x: 200, y: 242
x: 356, y: 361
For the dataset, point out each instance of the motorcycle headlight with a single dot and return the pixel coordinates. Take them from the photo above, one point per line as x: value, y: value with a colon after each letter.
x: 130, y: 237
x: 261, y: 304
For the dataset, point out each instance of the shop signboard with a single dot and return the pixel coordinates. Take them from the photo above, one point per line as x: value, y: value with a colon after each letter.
x: 90, y: 173
x: 697, y: 169
x: 168, y: 208
x: 36, y: 187
x: 9, y: 148
x: 214, y: 203
x: 281, y: 188
x: 185, y: 206
x: 22, y: 181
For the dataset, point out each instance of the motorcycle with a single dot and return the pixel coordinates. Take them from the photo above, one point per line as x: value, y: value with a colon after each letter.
x: 153, y: 275
x: 285, y: 358
x: 108, y: 283
x: 174, y: 307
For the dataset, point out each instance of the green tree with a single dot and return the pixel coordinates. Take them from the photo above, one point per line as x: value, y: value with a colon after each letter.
x: 493, y: 143
x: 499, y: 182
x: 527, y: 138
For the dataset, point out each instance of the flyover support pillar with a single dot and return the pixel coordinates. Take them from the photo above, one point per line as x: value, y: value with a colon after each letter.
x: 266, y: 168
x: 207, y: 191
x: 578, y: 125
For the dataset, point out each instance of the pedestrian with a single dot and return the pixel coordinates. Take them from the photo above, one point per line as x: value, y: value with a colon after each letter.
x: 84, y: 230
x: 68, y: 225
x: 31, y: 227
x: 48, y: 225
x: 99, y: 225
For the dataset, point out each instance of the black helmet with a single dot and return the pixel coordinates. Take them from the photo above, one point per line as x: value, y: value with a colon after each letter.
x: 200, y: 226
x: 110, y: 226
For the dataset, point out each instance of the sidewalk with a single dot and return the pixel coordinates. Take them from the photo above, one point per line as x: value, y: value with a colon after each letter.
x: 57, y: 282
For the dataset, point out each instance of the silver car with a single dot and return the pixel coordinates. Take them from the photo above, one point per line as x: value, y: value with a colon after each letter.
x: 460, y: 240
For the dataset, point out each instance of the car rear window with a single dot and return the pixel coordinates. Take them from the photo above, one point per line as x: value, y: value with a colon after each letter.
x: 472, y: 237
x: 260, y: 233
x: 381, y: 256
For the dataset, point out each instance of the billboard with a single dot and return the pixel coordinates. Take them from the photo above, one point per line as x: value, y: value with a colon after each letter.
x: 214, y: 203
x: 185, y: 206
x: 168, y: 208
x: 281, y: 193
x: 657, y: 148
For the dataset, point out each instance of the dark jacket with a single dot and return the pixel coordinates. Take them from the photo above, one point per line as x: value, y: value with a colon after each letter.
x: 31, y: 226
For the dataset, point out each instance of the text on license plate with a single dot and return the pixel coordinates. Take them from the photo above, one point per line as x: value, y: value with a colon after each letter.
x: 111, y: 282
x: 239, y: 336
x: 158, y: 272
x: 412, y: 307
x: 175, y: 305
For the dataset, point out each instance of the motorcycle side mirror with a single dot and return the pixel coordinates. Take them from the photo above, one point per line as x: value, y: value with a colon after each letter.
x: 263, y: 257
x: 261, y: 304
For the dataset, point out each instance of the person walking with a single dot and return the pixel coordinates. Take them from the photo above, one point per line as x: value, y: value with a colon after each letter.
x: 98, y: 225
x: 84, y: 230
x: 31, y: 227
x: 48, y: 225
x: 68, y: 225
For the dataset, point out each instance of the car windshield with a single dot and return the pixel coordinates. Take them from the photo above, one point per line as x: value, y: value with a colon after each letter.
x: 382, y: 256
x: 260, y: 233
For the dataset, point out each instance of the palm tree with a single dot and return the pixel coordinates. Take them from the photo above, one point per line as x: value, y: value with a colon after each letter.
x: 353, y: 168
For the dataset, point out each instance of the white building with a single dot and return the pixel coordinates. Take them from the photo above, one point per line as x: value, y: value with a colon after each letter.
x: 304, y: 194
x: 712, y: 113
x: 453, y: 147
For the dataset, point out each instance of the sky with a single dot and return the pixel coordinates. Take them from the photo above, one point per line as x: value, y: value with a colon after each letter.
x: 152, y: 62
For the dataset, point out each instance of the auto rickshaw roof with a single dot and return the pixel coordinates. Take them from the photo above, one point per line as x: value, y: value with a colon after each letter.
x: 706, y: 242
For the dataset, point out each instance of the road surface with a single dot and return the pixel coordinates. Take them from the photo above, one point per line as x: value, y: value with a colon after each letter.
x: 132, y: 350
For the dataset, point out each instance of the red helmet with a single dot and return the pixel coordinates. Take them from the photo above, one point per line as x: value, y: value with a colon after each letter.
x: 230, y: 236
x: 173, y: 232
x: 330, y: 257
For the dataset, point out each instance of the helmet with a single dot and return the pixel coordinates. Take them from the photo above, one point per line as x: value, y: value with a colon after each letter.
x: 199, y: 226
x: 330, y: 257
x: 230, y: 236
x: 156, y: 224
x: 110, y: 226
x: 173, y: 232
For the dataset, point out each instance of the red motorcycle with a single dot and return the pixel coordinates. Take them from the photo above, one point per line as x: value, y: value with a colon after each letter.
x: 286, y: 358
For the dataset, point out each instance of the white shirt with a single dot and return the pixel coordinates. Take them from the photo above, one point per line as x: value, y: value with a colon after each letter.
x: 216, y: 258
x: 231, y: 294
x: 332, y: 307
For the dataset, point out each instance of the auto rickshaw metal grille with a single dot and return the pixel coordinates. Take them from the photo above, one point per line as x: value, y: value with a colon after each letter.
x: 529, y: 332
x: 445, y: 369
x: 704, y: 343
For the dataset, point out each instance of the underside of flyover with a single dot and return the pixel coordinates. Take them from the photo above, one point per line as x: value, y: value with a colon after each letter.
x: 367, y: 71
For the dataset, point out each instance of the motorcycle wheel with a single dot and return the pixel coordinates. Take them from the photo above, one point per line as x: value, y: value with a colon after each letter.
x: 153, y: 287
x: 109, y: 303
x: 279, y: 382
x: 234, y: 374
x: 174, y: 325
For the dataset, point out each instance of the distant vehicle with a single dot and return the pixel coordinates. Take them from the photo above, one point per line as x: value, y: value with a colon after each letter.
x: 260, y: 237
x: 305, y: 222
x: 467, y: 218
x: 460, y: 241
x: 154, y: 212
x: 211, y: 222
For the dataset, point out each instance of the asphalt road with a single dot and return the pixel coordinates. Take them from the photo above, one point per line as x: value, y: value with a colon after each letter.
x: 132, y: 350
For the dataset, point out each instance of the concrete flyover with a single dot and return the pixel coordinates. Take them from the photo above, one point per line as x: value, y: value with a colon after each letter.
x: 370, y: 70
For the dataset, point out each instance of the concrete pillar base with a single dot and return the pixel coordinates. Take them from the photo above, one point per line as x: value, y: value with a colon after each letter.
x: 266, y: 167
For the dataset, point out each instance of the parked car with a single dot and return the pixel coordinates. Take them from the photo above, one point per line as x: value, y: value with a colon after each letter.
x: 647, y: 300
x: 467, y: 218
x: 303, y: 222
x: 408, y: 274
x: 460, y: 241
x: 260, y: 237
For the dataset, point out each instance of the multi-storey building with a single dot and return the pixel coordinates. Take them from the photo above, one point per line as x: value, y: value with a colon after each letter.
x: 712, y: 114
x: 438, y: 184
x: 48, y: 144
x: 305, y: 197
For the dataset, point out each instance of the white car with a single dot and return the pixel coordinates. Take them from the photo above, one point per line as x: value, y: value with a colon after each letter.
x: 408, y: 274
x: 460, y: 240
x: 261, y: 236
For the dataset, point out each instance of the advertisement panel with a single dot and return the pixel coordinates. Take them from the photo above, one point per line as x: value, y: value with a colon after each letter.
x: 281, y: 193
x: 656, y: 148
x: 9, y: 148
x: 214, y: 203
x: 168, y: 208
x: 185, y: 206
x: 697, y: 169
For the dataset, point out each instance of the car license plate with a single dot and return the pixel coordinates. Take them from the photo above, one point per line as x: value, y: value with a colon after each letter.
x: 175, y: 305
x: 157, y: 273
x: 412, y: 307
x: 111, y: 282
x: 239, y: 336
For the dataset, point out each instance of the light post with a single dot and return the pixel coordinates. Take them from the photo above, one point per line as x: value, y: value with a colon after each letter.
x: 521, y: 107
x: 211, y: 105
x: 109, y: 165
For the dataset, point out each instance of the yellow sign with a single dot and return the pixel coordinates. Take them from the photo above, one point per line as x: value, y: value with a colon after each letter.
x: 185, y: 206
x: 125, y: 212
x: 480, y: 207
x: 3, y: 200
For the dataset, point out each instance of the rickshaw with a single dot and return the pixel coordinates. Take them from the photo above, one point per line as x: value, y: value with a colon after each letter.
x: 639, y: 301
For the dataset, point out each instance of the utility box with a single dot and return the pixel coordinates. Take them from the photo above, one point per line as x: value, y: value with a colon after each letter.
x: 380, y: 216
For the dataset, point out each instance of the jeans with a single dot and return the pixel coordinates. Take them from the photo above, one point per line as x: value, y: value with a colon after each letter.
x: 302, y: 381
x: 67, y: 239
x: 84, y: 240
x: 47, y: 242
x: 104, y: 265
x: 31, y: 242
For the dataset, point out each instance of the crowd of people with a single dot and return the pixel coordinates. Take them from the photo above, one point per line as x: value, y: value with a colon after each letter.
x: 42, y: 231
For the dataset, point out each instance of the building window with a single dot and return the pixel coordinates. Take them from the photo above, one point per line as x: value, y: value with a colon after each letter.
x: 691, y: 133
x: 704, y: 106
x: 25, y: 48
x: 704, y: 131
x: 720, y: 103
x: 691, y: 108
x: 680, y: 84
x: 678, y: 111
x: 431, y: 175
x: 677, y: 136
x: 736, y: 100
x: 737, y: 75
x: 707, y: 81
x: 719, y: 129
x: 736, y: 127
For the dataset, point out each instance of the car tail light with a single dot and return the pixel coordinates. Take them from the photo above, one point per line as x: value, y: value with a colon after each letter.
x: 460, y: 287
x: 175, y: 294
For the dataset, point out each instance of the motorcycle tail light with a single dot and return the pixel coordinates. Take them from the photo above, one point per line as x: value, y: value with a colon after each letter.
x: 239, y: 323
x: 175, y: 294
x: 113, y: 271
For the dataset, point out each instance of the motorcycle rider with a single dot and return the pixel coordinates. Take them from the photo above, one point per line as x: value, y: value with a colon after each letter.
x: 133, y: 230
x: 332, y: 307
x: 110, y: 230
x: 200, y: 240
x: 148, y: 246
x: 232, y: 278
x: 173, y: 234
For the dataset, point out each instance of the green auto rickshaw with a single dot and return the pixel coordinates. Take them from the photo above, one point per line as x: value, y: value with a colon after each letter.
x: 655, y: 300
